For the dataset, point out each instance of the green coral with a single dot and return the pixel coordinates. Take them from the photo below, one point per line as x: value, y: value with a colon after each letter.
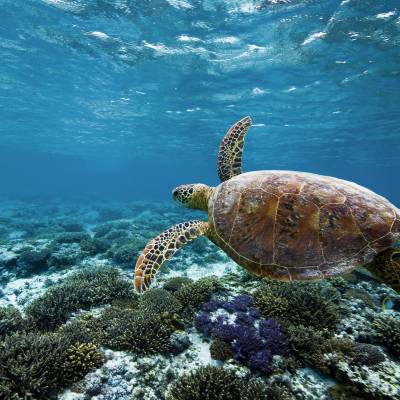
x: 38, y: 364
x: 79, y: 291
x: 300, y: 303
x: 159, y: 301
x: 215, y: 383
x: 305, y: 341
x: 124, y: 254
x: 94, y: 246
x: 71, y: 237
x: 10, y: 321
x: 135, y: 330
x: 206, y: 383
x: 80, y: 358
x: 84, y: 329
x: 220, y: 350
x: 193, y: 295
x: 387, y: 328
x: 257, y: 389
x: 175, y: 283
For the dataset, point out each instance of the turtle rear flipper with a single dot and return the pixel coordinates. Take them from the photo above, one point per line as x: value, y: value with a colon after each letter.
x: 386, y: 267
x: 162, y: 248
x: 231, y: 149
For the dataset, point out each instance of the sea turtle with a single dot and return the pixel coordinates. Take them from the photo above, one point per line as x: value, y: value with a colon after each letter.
x: 282, y: 224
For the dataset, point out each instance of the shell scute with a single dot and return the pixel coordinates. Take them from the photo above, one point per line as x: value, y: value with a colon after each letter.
x: 373, y: 218
x: 297, y: 232
x: 340, y: 234
x: 253, y: 228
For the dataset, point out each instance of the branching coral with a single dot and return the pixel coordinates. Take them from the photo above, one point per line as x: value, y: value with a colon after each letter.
x: 388, y: 331
x: 214, y: 383
x: 135, y: 330
x: 300, y: 303
x: 206, y: 383
x: 159, y: 301
x: 220, y: 350
x: 36, y: 364
x: 79, y: 291
x: 124, y: 254
x: 175, y: 283
x: 72, y: 237
x: 10, y: 321
x: 253, y: 340
x: 80, y: 358
x: 257, y: 389
x: 194, y: 294
x: 94, y: 246
x: 305, y: 341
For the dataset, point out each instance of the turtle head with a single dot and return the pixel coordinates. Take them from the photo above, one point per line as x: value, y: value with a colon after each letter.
x: 194, y: 195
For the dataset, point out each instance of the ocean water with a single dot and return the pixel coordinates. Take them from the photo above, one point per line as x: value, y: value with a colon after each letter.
x: 105, y: 107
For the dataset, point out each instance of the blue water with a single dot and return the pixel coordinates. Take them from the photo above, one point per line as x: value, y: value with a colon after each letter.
x: 126, y: 99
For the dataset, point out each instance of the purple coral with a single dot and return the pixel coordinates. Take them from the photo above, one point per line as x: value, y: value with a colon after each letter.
x: 203, y: 322
x: 212, y: 305
x: 253, y: 340
x: 262, y: 360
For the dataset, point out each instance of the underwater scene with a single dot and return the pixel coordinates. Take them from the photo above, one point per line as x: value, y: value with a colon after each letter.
x: 199, y: 199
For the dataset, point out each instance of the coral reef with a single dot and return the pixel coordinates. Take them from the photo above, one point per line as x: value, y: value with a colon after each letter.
x: 71, y: 327
x: 388, y: 331
x: 10, y: 321
x: 135, y: 330
x: 207, y: 383
x: 79, y: 359
x: 253, y: 340
x: 159, y: 301
x: 175, y: 283
x: 193, y: 294
x: 312, y: 304
x: 39, y: 364
x: 220, y: 350
x: 82, y: 290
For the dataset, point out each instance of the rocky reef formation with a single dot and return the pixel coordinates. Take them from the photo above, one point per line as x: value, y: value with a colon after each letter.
x: 71, y: 325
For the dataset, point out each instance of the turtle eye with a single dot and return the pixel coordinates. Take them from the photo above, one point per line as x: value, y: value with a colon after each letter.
x: 175, y: 193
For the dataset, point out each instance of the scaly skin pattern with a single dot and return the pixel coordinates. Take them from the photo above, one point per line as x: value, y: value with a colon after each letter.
x: 292, y: 225
x: 231, y: 149
x: 162, y: 248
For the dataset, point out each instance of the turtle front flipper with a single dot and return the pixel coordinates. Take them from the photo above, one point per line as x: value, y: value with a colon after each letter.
x: 231, y: 149
x: 162, y: 248
x: 386, y: 267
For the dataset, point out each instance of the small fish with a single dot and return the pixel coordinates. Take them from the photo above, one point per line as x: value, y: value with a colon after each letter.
x: 386, y: 303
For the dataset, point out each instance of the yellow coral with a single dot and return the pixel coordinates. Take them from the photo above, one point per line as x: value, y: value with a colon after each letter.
x: 81, y: 358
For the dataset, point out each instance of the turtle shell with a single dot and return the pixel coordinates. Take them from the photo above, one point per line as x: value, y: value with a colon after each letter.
x: 292, y: 225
